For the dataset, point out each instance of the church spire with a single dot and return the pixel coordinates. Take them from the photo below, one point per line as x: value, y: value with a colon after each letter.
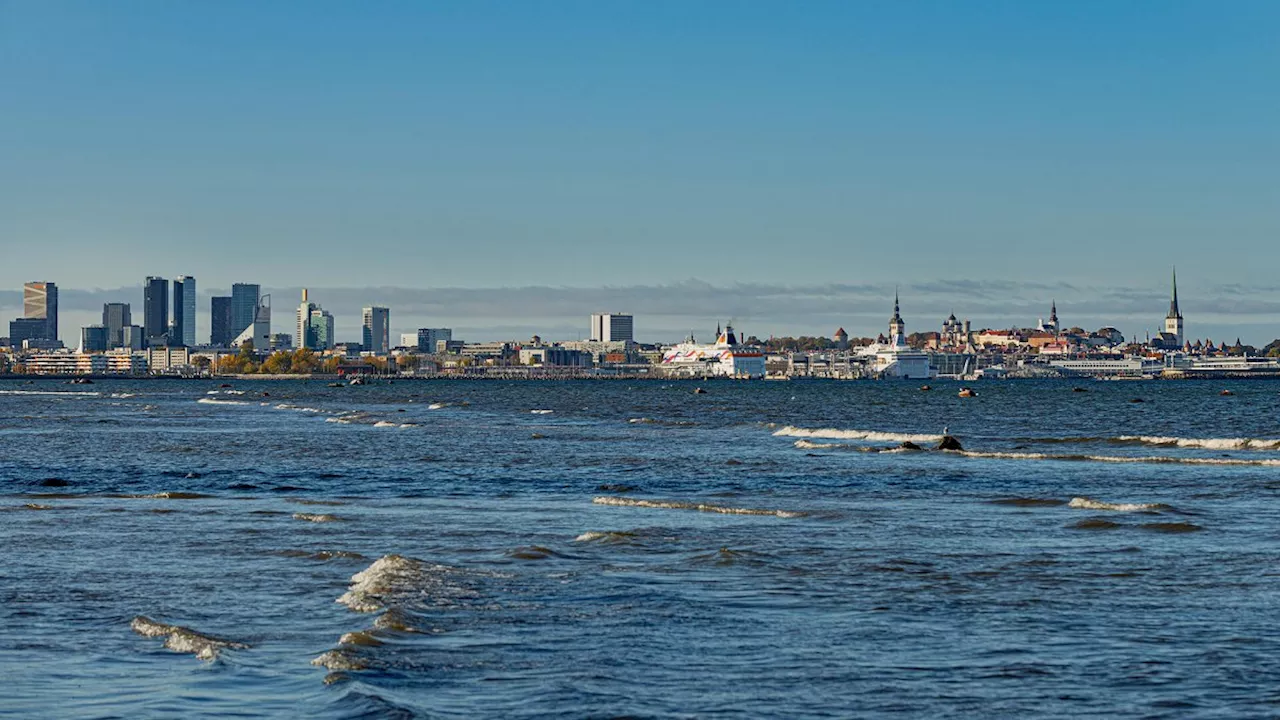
x: 1173, y: 304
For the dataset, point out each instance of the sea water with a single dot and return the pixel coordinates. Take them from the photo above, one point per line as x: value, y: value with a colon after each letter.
x: 611, y: 548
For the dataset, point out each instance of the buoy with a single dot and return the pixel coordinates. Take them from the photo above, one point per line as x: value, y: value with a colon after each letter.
x: 699, y: 391
x: 1225, y: 393
x: 966, y: 393
x: 925, y: 388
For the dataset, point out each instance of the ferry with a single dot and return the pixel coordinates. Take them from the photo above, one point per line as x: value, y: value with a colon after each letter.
x: 724, y: 358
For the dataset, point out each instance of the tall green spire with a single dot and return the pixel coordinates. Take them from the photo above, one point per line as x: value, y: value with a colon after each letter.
x: 1173, y: 304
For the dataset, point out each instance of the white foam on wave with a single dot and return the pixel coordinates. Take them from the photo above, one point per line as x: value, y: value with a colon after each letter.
x: 700, y: 507
x: 299, y: 408
x: 385, y: 424
x: 1149, y: 459
x: 183, y: 639
x: 811, y: 445
x: 50, y: 392
x: 1206, y: 443
x: 316, y: 517
x: 122, y: 395
x: 225, y: 392
x: 1085, y: 503
x: 212, y: 401
x: 869, y: 435
x: 541, y: 412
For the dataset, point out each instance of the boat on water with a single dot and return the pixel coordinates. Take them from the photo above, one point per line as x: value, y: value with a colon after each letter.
x: 726, y: 357
x: 892, y: 357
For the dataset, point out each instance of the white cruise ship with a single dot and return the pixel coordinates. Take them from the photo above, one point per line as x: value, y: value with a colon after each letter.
x: 725, y: 358
x: 894, y: 358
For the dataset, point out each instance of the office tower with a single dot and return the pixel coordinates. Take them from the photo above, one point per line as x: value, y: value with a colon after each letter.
x: 303, y: 338
x: 40, y: 302
x: 155, y: 311
x: 429, y: 338
x: 132, y: 337
x: 94, y: 338
x: 182, y: 329
x: 244, y: 306
x: 115, y: 316
x: 377, y: 330
x: 27, y: 329
x: 608, y: 327
x: 320, y: 330
x: 220, y: 321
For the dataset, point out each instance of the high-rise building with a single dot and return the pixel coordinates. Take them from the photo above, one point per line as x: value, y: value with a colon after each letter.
x: 303, y: 339
x: 220, y: 321
x: 155, y: 311
x: 93, y: 338
x: 608, y: 327
x: 115, y: 316
x: 429, y: 338
x: 27, y: 329
x: 40, y: 302
x: 132, y: 337
x: 182, y: 329
x: 377, y: 330
x: 244, y: 306
x: 320, y: 330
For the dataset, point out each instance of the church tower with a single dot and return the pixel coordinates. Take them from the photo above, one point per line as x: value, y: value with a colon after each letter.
x: 1173, y: 321
x: 897, y: 328
x: 1053, y: 316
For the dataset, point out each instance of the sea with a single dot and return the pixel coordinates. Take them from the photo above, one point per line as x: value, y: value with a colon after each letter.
x: 591, y: 549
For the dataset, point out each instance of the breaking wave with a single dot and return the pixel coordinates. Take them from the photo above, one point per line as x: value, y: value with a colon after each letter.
x: 1084, y: 503
x: 871, y: 435
x: 1206, y: 443
x: 541, y: 412
x: 1149, y: 459
x: 396, y: 580
x: 316, y: 517
x: 213, y: 401
x: 183, y: 639
x: 700, y: 507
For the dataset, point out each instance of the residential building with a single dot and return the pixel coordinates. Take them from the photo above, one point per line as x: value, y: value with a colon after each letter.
x: 377, y: 330
x: 155, y: 311
x: 168, y: 359
x: 40, y: 302
x: 94, y: 338
x: 245, y: 300
x: 182, y: 328
x: 115, y: 316
x: 611, y: 327
x: 221, y: 321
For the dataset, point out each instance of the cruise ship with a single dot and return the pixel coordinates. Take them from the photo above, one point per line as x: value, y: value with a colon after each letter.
x: 893, y: 358
x: 725, y: 358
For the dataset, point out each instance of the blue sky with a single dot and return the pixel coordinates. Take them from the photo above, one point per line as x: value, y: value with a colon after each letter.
x: 592, y: 145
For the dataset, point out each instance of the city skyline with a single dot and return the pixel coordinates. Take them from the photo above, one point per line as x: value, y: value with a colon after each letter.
x: 668, y: 313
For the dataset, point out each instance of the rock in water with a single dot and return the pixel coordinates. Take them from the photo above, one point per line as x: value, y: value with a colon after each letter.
x: 949, y: 443
x: 908, y: 445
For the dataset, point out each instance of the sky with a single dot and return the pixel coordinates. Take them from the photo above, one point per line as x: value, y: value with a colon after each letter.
x: 509, y: 168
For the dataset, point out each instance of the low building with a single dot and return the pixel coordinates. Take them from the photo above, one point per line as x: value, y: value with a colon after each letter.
x: 94, y: 338
x: 168, y: 359
x: 553, y: 356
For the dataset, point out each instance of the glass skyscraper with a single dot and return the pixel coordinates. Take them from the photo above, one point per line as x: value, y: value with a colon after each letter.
x: 155, y: 311
x: 183, y: 328
x: 244, y: 305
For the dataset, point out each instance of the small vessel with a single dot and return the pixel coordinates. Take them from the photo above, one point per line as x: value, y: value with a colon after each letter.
x: 356, y: 381
x: 699, y: 391
x: 1226, y: 393
x: 925, y: 388
x: 967, y: 393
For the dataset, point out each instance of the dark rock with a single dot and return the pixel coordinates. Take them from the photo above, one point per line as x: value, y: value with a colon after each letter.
x: 54, y: 482
x: 1137, y: 400
x: 908, y: 445
x: 699, y: 391
x: 615, y: 488
x: 949, y: 443
x: 731, y: 461
x: 1079, y: 389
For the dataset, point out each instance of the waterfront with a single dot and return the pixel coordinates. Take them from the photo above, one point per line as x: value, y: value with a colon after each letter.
x: 753, y: 552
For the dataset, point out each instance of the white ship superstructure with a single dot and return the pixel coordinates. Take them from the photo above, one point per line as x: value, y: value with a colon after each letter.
x: 894, y: 358
x: 725, y: 358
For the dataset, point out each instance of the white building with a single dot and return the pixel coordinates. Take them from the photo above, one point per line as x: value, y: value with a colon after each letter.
x: 608, y: 327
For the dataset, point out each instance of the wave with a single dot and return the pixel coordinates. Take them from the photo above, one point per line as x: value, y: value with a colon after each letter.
x: 1148, y: 459
x: 166, y: 495
x: 396, y: 580
x: 871, y: 435
x: 184, y: 639
x: 1206, y: 443
x: 316, y: 517
x: 1085, y: 503
x: 225, y: 392
x: 438, y: 405
x: 700, y: 507
x: 85, y: 393
x: 213, y: 401
x: 541, y: 412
